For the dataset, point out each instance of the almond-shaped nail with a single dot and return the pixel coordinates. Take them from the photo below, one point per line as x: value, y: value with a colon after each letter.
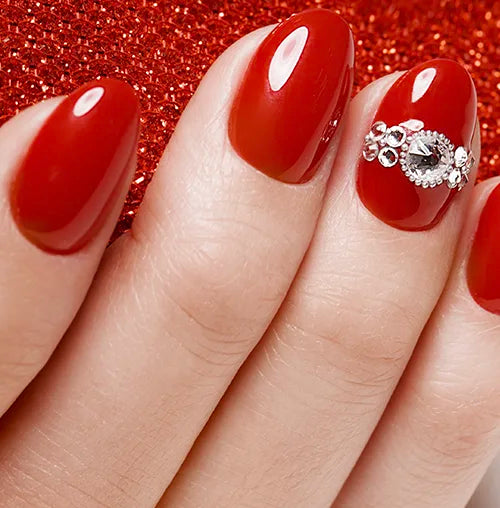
x: 74, y: 168
x: 293, y: 94
x: 416, y: 156
x: 483, y: 270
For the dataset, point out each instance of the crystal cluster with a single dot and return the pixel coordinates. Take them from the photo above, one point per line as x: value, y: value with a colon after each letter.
x: 426, y: 157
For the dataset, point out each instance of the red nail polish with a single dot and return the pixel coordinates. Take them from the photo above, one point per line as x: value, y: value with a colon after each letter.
x: 72, y: 172
x: 441, y: 95
x: 293, y: 95
x: 483, y: 271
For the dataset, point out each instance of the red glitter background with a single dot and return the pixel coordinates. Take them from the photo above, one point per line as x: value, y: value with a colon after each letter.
x: 163, y: 48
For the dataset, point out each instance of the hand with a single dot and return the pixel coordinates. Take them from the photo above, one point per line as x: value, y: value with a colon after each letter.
x: 289, y: 322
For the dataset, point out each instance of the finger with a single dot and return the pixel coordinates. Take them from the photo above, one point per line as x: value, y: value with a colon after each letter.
x: 298, y: 415
x: 64, y: 171
x: 178, y: 305
x: 442, y: 428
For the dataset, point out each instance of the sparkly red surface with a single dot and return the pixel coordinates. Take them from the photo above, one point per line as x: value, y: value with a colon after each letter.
x: 163, y: 48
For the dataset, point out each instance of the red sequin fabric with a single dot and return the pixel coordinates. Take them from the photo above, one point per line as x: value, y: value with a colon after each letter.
x: 163, y: 49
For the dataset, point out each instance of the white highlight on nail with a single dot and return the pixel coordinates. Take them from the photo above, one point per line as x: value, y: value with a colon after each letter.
x: 422, y: 83
x: 286, y: 57
x: 88, y: 101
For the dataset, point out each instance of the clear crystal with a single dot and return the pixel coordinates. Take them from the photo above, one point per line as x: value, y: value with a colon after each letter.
x: 454, y: 178
x: 370, y: 151
x: 388, y: 157
x: 413, y: 125
x: 460, y: 157
x: 429, y: 157
x: 395, y: 136
x: 378, y: 130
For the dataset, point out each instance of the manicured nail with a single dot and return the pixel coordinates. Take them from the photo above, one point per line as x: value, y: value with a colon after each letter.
x: 416, y: 157
x: 74, y: 169
x: 483, y: 271
x: 293, y: 95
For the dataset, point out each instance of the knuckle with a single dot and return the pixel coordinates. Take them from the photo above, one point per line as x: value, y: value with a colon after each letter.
x: 367, y: 339
x: 221, y: 276
x: 462, y: 417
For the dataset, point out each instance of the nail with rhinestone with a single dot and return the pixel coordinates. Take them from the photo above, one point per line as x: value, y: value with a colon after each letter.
x: 423, y: 130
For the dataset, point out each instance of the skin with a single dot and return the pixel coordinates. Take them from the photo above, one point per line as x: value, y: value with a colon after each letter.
x: 297, y: 362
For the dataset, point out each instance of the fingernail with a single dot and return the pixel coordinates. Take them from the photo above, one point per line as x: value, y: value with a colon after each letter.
x: 416, y: 157
x: 74, y: 169
x: 293, y: 94
x: 483, y: 271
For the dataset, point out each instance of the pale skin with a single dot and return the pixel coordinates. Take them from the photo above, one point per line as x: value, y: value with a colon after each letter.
x: 249, y: 343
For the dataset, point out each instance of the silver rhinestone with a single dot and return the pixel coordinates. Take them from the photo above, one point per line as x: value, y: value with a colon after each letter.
x: 388, y: 157
x: 428, y: 158
x: 378, y: 130
x: 454, y: 178
x: 395, y: 136
x: 370, y: 151
x: 460, y: 157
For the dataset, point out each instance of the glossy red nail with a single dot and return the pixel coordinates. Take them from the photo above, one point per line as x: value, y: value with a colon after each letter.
x: 293, y: 95
x: 483, y: 271
x: 74, y: 169
x: 440, y: 95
